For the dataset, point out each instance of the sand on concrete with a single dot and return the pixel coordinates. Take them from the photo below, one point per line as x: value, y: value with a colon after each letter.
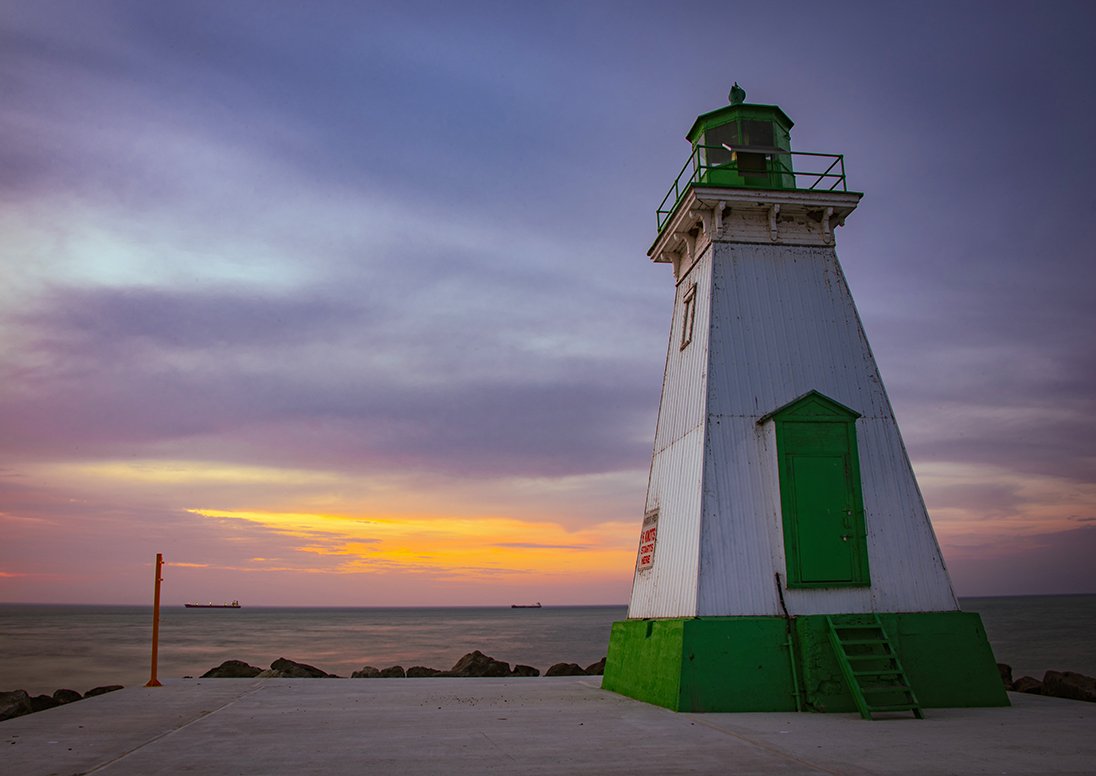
x: 518, y: 725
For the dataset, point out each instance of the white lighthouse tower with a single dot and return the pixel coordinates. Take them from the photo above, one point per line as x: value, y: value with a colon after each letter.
x: 786, y: 559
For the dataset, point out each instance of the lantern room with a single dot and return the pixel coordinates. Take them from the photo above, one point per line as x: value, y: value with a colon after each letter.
x: 747, y: 147
x: 743, y: 145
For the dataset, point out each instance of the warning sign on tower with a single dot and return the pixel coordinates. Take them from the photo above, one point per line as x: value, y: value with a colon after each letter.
x: 647, y: 537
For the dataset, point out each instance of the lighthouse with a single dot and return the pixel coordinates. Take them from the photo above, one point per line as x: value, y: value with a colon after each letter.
x: 785, y: 558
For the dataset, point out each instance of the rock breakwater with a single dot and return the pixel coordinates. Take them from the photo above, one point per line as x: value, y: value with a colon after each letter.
x: 1056, y: 684
x: 16, y: 703
x: 474, y: 664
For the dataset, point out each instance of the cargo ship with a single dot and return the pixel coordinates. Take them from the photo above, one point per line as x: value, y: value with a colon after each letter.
x: 526, y: 606
x: 233, y: 605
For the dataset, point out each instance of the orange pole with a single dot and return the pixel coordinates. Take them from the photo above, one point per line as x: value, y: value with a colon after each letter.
x: 153, y: 681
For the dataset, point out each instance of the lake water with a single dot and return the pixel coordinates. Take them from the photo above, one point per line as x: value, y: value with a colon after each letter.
x: 43, y: 648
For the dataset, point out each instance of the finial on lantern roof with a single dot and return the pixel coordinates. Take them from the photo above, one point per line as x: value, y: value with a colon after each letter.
x: 737, y: 95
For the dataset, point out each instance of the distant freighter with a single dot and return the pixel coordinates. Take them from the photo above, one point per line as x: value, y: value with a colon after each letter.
x: 526, y: 606
x: 233, y: 605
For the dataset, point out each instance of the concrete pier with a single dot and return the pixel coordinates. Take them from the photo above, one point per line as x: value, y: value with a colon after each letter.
x: 527, y: 726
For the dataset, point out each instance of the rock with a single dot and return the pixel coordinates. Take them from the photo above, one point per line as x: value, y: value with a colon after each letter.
x: 520, y: 670
x: 66, y: 696
x: 13, y: 704
x: 289, y: 669
x: 1028, y: 684
x: 42, y: 702
x: 596, y: 669
x: 565, y: 669
x: 367, y: 672
x: 102, y: 690
x: 1006, y: 674
x: 415, y: 672
x: 1067, y: 684
x: 478, y: 664
x: 394, y: 672
x: 232, y: 669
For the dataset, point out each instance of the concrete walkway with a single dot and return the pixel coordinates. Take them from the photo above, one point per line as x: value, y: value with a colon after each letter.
x: 520, y: 726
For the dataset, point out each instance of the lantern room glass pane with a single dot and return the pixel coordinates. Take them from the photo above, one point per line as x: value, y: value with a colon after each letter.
x: 715, y: 137
x: 758, y: 133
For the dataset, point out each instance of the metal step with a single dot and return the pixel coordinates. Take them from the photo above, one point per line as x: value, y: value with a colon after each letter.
x: 843, y: 634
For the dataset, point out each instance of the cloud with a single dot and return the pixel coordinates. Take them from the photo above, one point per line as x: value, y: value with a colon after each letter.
x: 138, y: 371
x: 112, y: 324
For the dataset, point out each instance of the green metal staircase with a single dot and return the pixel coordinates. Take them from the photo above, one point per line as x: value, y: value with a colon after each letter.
x: 871, y: 666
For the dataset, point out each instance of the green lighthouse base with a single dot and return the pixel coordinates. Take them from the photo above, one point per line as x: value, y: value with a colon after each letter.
x: 724, y: 664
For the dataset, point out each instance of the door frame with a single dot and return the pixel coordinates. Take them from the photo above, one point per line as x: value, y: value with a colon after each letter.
x: 814, y: 408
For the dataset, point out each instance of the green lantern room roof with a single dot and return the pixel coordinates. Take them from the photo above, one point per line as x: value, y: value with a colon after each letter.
x: 737, y: 111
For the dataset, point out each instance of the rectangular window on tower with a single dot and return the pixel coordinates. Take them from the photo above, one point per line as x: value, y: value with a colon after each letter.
x: 688, y: 303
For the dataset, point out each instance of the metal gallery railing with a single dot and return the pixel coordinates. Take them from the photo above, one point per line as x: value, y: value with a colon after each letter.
x: 752, y: 168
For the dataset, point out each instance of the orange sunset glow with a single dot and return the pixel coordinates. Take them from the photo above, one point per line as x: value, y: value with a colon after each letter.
x: 476, y: 549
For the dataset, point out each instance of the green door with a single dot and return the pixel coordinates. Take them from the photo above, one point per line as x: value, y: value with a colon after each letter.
x: 823, y: 516
x: 825, y: 541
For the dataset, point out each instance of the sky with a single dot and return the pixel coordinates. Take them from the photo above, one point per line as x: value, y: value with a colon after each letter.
x: 348, y: 303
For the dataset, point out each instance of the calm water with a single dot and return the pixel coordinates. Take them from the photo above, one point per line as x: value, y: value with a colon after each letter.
x: 1034, y: 634
x: 43, y: 648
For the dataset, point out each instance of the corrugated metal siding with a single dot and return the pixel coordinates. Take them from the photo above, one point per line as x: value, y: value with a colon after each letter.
x: 684, y: 401
x: 908, y: 571
x: 738, y: 556
x: 782, y: 324
x: 668, y: 589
